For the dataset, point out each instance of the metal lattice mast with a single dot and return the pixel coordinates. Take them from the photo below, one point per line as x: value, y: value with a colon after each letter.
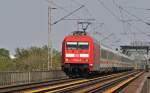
x: 49, y: 38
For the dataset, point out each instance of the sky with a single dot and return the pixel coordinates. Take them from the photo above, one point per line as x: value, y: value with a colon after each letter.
x: 24, y: 23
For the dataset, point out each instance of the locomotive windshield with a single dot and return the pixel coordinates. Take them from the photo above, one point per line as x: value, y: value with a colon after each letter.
x: 77, y: 45
x: 83, y: 45
x: 71, y: 45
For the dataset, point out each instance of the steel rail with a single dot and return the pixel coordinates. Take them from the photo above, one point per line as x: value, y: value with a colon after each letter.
x: 118, y: 87
x: 102, y: 86
x: 34, y: 85
x: 76, y: 85
x: 56, y: 85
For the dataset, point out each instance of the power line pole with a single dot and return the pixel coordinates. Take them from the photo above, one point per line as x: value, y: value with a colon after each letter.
x: 50, y: 51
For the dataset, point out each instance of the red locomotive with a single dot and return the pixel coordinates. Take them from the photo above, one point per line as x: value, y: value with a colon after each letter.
x: 81, y: 55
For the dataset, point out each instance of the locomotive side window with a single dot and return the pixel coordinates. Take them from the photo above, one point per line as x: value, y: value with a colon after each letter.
x: 83, y: 45
x: 110, y: 56
x: 71, y: 45
x: 104, y: 54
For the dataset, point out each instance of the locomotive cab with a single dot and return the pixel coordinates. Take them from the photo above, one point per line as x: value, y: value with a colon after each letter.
x: 76, y: 53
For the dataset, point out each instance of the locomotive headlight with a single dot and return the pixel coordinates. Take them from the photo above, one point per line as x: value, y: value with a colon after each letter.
x: 80, y: 60
x: 66, y: 59
x: 86, y: 60
x: 91, y: 64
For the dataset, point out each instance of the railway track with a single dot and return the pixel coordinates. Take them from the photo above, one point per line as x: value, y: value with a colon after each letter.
x: 111, y: 85
x: 102, y: 84
x: 83, y: 85
x: 34, y: 85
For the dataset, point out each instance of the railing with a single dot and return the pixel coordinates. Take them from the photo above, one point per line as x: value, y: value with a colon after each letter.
x: 17, y: 78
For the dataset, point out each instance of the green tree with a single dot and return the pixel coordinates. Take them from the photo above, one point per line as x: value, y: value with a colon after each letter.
x: 35, y: 58
x: 5, y: 61
x: 4, y: 52
x: 56, y: 59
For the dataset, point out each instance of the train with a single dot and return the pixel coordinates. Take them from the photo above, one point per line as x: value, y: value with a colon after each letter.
x: 83, y: 55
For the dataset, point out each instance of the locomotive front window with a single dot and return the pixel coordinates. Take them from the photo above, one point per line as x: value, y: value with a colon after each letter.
x: 83, y: 45
x: 71, y: 45
x: 77, y: 45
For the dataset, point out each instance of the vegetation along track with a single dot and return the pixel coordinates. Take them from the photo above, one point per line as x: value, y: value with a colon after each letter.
x: 83, y: 85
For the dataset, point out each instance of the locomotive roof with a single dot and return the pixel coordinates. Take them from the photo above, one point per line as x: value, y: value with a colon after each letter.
x: 76, y: 36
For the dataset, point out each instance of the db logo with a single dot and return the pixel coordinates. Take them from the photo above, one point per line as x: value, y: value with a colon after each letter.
x: 77, y: 55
